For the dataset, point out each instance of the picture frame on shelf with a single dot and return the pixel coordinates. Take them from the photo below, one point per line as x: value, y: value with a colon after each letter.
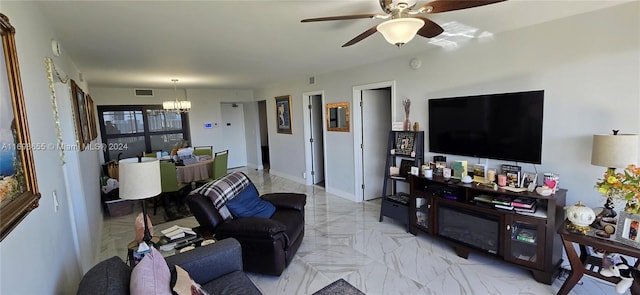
x: 404, y: 143
x: 529, y: 180
x: 20, y: 196
x: 513, y: 174
x: 283, y: 114
x: 627, y: 229
x: 479, y: 173
x: 405, y: 167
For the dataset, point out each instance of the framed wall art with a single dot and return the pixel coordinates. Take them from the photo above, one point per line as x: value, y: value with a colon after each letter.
x: 627, y: 229
x: 91, y: 118
x: 19, y: 194
x: 283, y: 114
x: 80, y: 113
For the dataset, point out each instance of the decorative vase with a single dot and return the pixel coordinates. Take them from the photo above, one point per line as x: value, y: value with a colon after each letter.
x: 407, y: 106
x: 416, y: 126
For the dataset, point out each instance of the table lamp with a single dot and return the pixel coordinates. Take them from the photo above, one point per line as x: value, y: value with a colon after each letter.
x: 139, y: 180
x: 614, y: 151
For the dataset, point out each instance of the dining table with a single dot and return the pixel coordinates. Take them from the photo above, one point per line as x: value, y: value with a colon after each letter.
x: 197, y: 171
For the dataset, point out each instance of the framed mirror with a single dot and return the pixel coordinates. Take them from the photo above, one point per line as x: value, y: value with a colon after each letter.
x: 338, y: 116
x: 19, y: 191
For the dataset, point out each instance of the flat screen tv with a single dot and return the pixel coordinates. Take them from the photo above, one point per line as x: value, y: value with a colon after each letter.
x: 505, y: 126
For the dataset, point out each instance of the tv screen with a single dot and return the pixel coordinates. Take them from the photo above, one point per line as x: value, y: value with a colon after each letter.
x: 506, y: 126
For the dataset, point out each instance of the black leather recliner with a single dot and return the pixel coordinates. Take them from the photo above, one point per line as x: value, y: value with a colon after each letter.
x: 268, y: 245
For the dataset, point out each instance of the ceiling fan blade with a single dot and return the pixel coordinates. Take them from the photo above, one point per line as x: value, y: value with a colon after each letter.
x: 340, y: 17
x: 430, y: 29
x: 360, y: 37
x: 449, y: 5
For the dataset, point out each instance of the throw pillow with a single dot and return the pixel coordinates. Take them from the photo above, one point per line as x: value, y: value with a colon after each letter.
x: 185, y: 285
x: 151, y: 275
x: 248, y: 204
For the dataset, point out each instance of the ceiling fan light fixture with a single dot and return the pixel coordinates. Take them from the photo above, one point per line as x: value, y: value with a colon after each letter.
x: 400, y: 30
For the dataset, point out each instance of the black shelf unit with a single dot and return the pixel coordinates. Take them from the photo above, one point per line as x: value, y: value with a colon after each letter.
x: 408, y: 149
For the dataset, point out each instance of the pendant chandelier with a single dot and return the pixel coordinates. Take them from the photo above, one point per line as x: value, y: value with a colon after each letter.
x: 176, y: 105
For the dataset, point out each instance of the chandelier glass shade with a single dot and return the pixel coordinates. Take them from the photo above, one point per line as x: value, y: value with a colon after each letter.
x: 400, y: 30
x: 176, y: 105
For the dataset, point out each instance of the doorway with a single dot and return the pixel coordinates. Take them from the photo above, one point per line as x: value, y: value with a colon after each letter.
x: 314, y: 138
x: 373, y: 109
x: 233, y: 134
x: 264, y: 134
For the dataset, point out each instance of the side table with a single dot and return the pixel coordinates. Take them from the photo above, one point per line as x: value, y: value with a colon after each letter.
x: 579, y: 261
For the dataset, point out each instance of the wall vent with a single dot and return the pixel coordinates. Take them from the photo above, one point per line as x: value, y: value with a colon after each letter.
x: 144, y: 92
x: 312, y: 80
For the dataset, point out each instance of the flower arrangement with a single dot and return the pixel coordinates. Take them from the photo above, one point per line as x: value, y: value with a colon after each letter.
x: 624, y: 185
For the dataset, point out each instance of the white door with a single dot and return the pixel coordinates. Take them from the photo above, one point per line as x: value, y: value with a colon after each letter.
x: 376, y: 123
x: 233, y: 134
x: 317, y: 145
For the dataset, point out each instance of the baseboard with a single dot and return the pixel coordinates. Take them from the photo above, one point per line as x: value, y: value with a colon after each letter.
x: 341, y: 194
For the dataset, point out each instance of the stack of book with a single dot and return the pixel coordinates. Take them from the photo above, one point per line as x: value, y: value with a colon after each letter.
x: 502, y: 202
x: 484, y: 200
x: 523, y: 204
x: 177, y: 233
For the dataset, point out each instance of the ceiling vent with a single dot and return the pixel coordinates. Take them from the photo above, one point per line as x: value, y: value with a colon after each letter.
x: 144, y: 92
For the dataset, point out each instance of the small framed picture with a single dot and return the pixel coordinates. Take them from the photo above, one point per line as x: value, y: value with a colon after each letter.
x: 404, y: 143
x: 529, y: 180
x: 627, y: 229
x: 405, y: 167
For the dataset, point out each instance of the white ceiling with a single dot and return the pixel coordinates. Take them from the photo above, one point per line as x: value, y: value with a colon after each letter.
x: 244, y: 44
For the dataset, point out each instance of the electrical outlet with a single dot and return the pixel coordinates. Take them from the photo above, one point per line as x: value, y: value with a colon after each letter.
x: 304, y: 175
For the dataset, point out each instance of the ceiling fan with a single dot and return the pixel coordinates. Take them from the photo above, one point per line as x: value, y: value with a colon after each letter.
x: 403, y: 22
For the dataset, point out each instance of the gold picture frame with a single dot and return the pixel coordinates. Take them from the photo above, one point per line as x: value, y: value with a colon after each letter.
x: 338, y: 116
x: 91, y: 118
x: 20, y: 195
x: 80, y: 112
x: 283, y: 114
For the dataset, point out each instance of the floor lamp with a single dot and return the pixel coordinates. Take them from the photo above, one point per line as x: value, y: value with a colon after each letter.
x: 614, y: 151
x: 140, y: 180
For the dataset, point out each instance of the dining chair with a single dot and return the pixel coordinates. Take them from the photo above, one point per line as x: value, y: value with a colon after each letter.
x: 218, y: 168
x: 203, y: 150
x: 220, y: 160
x: 168, y: 182
x: 150, y: 155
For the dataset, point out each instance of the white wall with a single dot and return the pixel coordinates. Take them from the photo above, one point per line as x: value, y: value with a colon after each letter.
x: 48, y: 247
x: 589, y: 71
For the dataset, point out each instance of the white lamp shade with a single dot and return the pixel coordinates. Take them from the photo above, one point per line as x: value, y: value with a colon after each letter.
x: 614, y: 151
x: 139, y: 180
x: 400, y: 30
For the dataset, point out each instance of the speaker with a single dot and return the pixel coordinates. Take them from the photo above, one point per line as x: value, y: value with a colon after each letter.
x: 439, y: 158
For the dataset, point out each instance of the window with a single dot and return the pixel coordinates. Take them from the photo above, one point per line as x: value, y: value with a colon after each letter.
x: 129, y: 131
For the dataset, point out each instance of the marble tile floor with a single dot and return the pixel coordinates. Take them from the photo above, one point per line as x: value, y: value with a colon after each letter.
x: 344, y: 239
